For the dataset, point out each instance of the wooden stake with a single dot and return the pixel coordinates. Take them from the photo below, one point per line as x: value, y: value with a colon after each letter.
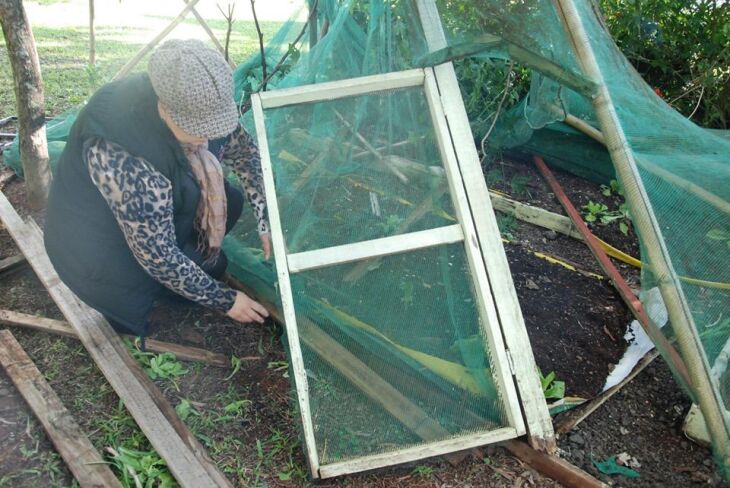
x: 84, y: 462
x: 569, y: 420
x: 62, y: 328
x: 185, y: 456
x: 558, y: 469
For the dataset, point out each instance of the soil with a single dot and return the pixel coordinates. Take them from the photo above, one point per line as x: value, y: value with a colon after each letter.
x: 575, y: 322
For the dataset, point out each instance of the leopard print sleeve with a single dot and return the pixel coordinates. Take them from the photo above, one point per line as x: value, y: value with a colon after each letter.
x: 241, y: 154
x: 141, y: 201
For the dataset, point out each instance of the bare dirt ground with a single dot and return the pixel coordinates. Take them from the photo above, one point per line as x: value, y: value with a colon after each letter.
x: 247, y: 420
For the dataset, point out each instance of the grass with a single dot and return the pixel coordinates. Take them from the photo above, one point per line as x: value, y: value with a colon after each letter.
x: 68, y: 79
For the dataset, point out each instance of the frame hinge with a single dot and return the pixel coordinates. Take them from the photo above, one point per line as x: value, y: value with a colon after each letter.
x: 511, y: 362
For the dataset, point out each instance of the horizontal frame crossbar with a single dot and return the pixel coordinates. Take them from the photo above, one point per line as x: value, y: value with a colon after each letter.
x: 374, y: 248
x: 334, y: 90
x: 417, y: 452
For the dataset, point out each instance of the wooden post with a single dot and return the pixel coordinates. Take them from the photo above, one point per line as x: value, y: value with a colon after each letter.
x: 28, y: 100
x: 84, y: 462
x: 680, y: 315
x: 92, y: 35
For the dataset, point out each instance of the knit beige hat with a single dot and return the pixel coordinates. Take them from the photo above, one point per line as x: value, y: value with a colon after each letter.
x: 195, y: 84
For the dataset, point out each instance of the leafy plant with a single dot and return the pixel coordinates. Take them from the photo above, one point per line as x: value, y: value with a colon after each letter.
x: 612, y: 189
x: 551, y: 387
x: 594, y: 212
x: 391, y: 224
x: 159, y: 366
x: 680, y: 48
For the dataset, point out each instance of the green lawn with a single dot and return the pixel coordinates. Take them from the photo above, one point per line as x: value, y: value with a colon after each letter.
x: 69, y: 80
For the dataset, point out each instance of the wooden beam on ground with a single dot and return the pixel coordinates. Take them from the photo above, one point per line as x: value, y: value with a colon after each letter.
x: 62, y: 328
x: 12, y: 262
x: 82, y: 459
x: 186, y: 458
x: 569, y: 420
x: 560, y: 470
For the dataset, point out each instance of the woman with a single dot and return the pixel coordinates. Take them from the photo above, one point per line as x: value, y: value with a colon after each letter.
x: 139, y: 205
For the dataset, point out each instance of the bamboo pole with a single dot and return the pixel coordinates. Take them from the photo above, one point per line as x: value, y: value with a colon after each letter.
x: 701, y: 193
x: 645, y: 221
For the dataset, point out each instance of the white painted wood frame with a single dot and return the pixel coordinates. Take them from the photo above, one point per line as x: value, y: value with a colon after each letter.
x: 333, y: 90
x: 287, y: 301
x: 537, y: 417
x: 374, y: 248
x: 464, y: 231
x: 409, y: 454
x: 489, y: 323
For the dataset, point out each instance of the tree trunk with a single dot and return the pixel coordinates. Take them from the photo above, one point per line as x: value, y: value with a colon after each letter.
x: 28, y: 99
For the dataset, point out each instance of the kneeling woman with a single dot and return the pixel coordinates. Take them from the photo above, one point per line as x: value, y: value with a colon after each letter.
x: 139, y: 204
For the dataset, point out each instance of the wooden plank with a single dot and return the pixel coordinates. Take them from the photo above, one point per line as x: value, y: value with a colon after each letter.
x: 82, y: 459
x: 558, y: 469
x: 489, y: 323
x: 11, y: 262
x: 62, y: 328
x: 374, y: 248
x: 287, y: 301
x: 416, y: 453
x: 539, y: 424
x: 534, y: 215
x: 187, y: 459
x: 333, y: 90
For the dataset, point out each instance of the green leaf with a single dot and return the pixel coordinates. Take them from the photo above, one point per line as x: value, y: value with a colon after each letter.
x: 610, y: 467
x: 624, y: 228
x: 556, y: 391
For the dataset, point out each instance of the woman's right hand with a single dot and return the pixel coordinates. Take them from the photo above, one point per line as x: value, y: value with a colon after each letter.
x: 245, y: 309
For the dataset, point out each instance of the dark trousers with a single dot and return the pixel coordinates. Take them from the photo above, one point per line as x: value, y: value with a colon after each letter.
x: 215, y: 269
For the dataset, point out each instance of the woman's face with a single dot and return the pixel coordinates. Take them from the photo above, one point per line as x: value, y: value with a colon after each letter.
x: 179, y: 134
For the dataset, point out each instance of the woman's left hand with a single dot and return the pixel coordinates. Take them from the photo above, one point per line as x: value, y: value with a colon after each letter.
x: 266, y: 245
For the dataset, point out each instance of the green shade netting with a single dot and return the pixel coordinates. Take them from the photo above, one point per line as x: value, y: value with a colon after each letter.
x: 352, y: 195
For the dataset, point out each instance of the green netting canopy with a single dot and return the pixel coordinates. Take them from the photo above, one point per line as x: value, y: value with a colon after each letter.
x: 370, y: 167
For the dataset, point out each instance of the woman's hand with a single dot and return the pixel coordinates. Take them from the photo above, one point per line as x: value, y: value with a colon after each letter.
x: 266, y: 245
x: 245, y: 309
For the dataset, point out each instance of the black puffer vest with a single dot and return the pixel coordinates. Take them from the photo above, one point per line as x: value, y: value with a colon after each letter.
x: 82, y: 237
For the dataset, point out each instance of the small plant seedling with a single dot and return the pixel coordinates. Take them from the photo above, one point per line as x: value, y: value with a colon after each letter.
x: 519, y: 184
x: 391, y: 224
x: 423, y: 470
x: 507, y: 224
x: 236, y: 365
x: 407, y: 288
x: 551, y: 387
x: 612, y: 189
